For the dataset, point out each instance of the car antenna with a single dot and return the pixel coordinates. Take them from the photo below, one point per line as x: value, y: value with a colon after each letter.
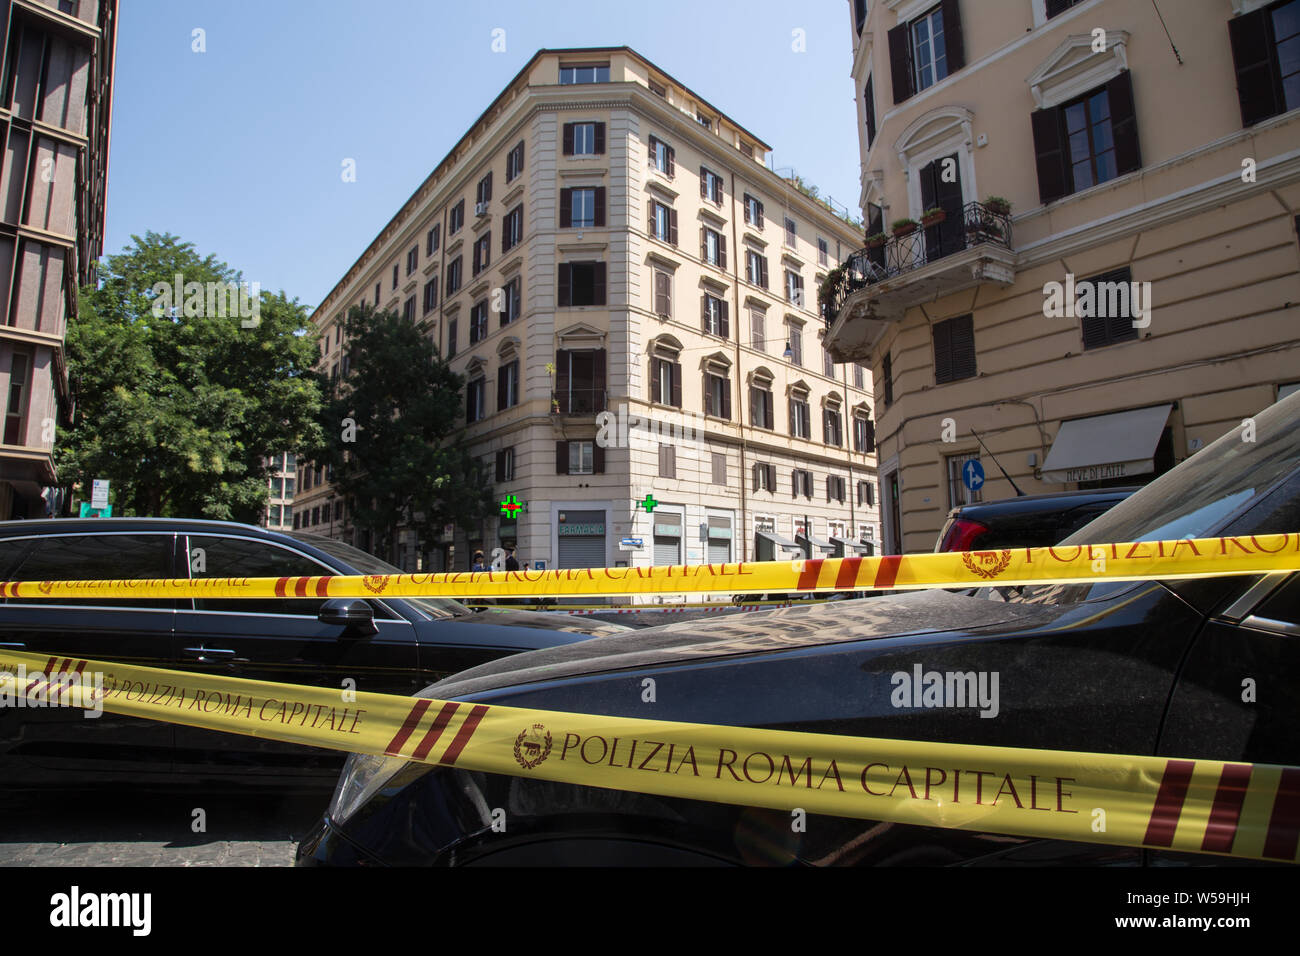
x: 1019, y: 493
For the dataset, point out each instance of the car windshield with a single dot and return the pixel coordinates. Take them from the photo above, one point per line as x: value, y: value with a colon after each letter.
x: 1193, y: 500
x: 369, y: 564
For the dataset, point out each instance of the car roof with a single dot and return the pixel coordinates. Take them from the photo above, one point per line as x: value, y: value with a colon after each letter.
x: 1045, y: 501
x: 94, y: 525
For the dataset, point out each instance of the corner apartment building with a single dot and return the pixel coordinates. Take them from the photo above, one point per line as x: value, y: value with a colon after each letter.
x: 280, y: 490
x: 1132, y: 150
x: 603, y: 240
x: 58, y: 69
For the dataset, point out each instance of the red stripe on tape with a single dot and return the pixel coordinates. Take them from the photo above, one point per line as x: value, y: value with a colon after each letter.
x: 300, y: 587
x: 848, y: 575
x: 322, y: 587
x: 395, y: 745
x: 1226, y: 812
x: 462, y: 738
x: 1169, y: 803
x: 887, y: 571
x: 808, y: 577
x: 1284, y: 824
x: 439, y: 725
x: 281, y: 585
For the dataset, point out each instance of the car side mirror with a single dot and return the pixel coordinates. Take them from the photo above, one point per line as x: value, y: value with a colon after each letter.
x: 351, y: 614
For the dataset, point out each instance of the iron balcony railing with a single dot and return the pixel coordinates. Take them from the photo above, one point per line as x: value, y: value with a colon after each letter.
x: 902, y: 254
x: 579, y: 401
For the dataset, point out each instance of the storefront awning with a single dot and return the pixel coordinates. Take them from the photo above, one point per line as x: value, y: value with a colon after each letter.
x: 860, y: 547
x: 779, y: 542
x: 1118, y: 445
x: 819, y: 544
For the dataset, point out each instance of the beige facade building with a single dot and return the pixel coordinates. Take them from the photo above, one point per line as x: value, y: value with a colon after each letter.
x: 1143, y: 295
x: 58, y: 68
x: 631, y: 294
x: 280, y: 491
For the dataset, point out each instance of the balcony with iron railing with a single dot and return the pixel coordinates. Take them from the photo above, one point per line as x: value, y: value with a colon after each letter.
x: 877, y: 284
x: 579, y: 401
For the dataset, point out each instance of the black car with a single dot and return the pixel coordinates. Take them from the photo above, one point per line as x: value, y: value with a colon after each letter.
x: 390, y: 645
x: 1026, y: 522
x: 1146, y: 667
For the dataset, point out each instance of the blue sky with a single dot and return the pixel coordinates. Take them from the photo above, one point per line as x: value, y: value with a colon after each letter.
x: 239, y: 149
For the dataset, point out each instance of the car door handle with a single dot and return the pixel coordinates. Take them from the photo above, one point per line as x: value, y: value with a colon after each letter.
x: 207, y: 655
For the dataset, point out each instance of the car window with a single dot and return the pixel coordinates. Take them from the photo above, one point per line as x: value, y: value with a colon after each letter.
x: 213, y: 556
x: 1283, y: 604
x: 369, y: 564
x: 87, y: 557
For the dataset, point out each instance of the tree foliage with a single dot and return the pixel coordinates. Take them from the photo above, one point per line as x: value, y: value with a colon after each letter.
x: 179, y: 411
x: 393, y: 433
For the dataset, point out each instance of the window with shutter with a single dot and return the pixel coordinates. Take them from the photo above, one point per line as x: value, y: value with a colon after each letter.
x: 1264, y: 53
x: 869, y: 108
x: 1108, y: 317
x: 667, y: 461
x: 954, y: 350
x: 451, y: 338
x: 719, y: 468
x: 663, y: 293
x: 887, y: 379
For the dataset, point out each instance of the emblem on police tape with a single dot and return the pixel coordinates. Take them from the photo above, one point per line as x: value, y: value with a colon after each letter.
x: 375, y: 583
x: 45, y: 587
x: 532, y: 746
x: 987, y: 564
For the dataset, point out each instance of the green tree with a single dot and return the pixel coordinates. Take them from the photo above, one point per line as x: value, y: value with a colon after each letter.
x: 179, y: 408
x: 393, y: 433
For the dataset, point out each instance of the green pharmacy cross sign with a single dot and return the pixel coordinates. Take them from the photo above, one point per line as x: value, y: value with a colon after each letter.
x: 511, y: 507
x: 649, y: 504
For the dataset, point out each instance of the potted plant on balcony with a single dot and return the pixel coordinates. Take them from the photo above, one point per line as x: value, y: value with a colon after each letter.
x: 830, y: 288
x: 998, y: 205
x: 934, y: 216
x: 903, y: 227
x: 876, y: 241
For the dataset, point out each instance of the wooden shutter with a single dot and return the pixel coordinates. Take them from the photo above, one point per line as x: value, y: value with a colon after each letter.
x: 661, y: 293
x: 564, y: 293
x: 568, y: 141
x: 1123, y: 122
x: 675, y: 371
x: 672, y: 162
x: 768, y: 408
x: 1259, y: 89
x: 704, y: 183
x: 666, y: 463
x: 650, y: 217
x: 963, y: 347
x: 869, y: 101
x: 762, y: 271
x: 953, y: 43
x: 726, y: 402
x: 561, y: 457
x: 501, y: 466
x: 942, y: 352
x: 469, y: 402
x: 487, y: 187
x: 900, y: 62
x: 756, y: 478
x: 562, y: 362
x: 759, y: 210
x: 501, y: 389
x: 704, y: 244
x: 566, y: 208
x: 771, y: 477
x: 598, y: 284
x: 1054, y: 180
x: 598, y: 375
x: 600, y: 205
x: 722, y: 251
x: 830, y: 487
x: 672, y: 226
x: 725, y: 328
x: 794, y: 483
x: 600, y: 137
x: 597, y: 459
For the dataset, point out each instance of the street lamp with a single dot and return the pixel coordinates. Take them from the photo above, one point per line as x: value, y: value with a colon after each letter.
x: 788, y: 354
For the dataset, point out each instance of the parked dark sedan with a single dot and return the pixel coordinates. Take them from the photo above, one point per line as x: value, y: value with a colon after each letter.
x: 1145, y: 667
x: 1029, y: 521
x: 393, y: 646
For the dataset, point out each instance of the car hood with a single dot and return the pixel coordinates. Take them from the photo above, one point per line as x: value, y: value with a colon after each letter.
x: 893, y: 615
x: 545, y: 620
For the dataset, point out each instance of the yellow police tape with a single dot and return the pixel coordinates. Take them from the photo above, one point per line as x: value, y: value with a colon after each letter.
x: 1183, y: 558
x: 1203, y: 806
